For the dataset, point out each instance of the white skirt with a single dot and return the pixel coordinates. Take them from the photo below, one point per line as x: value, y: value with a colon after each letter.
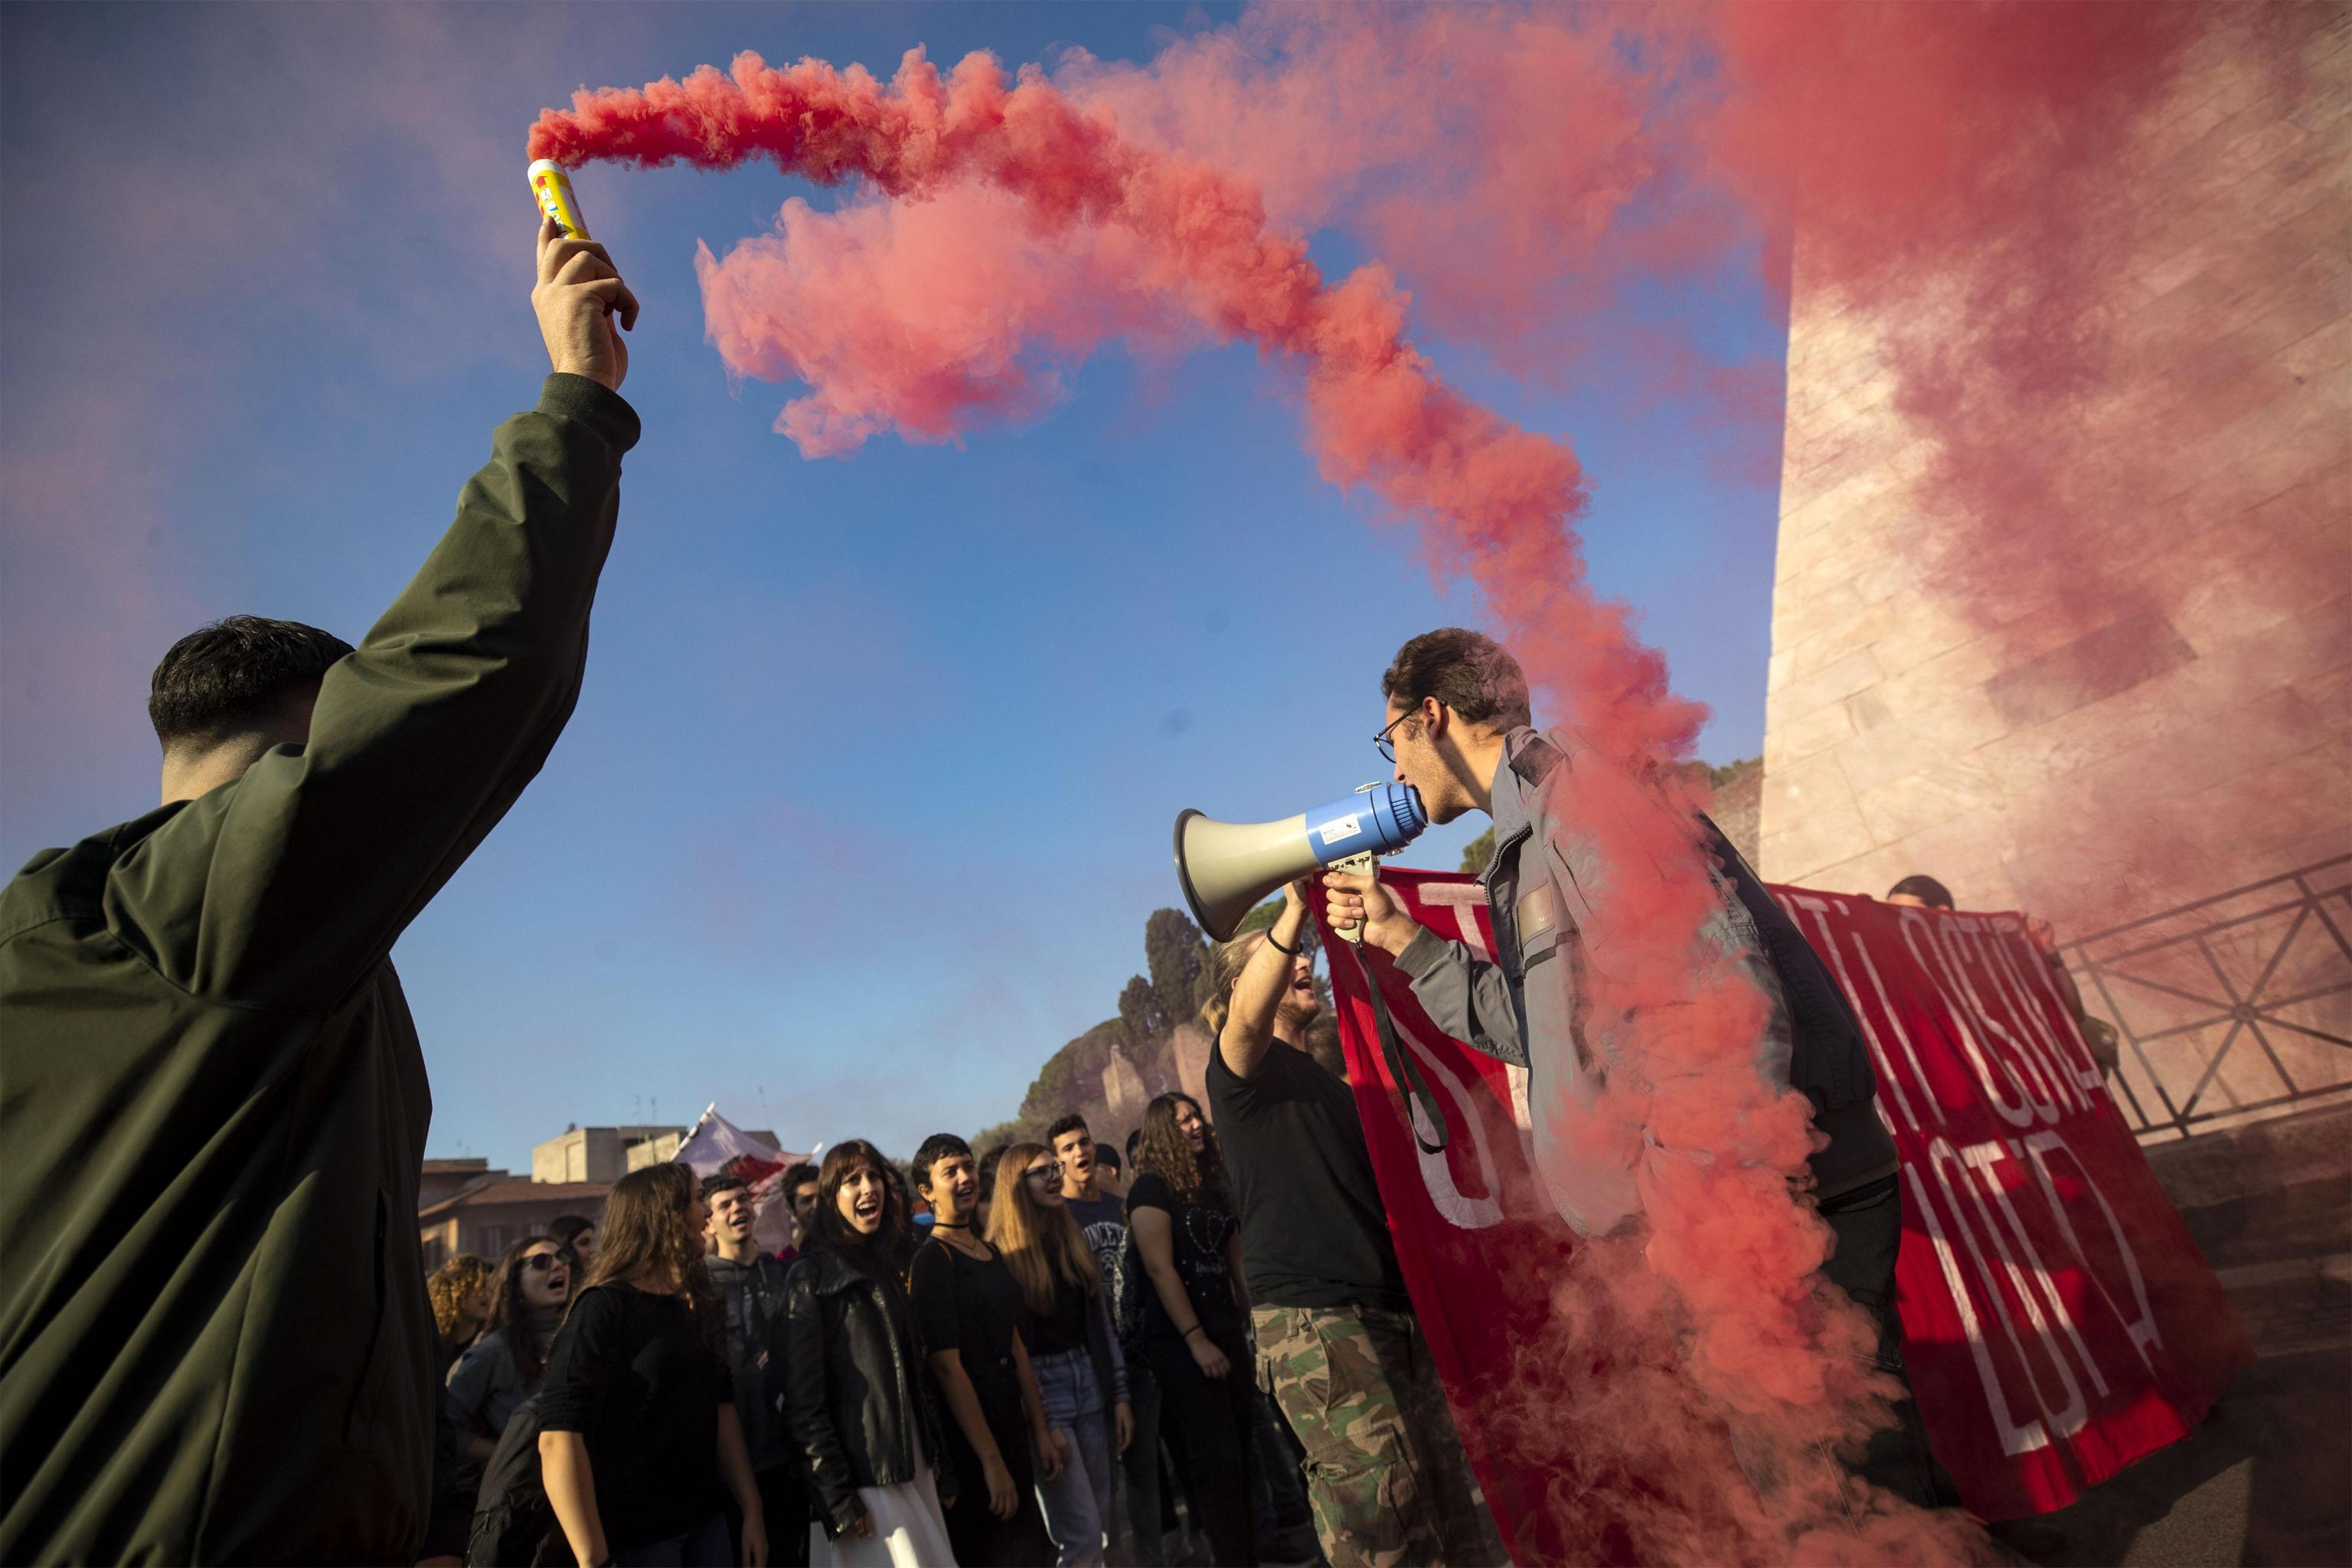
x: 910, y: 1530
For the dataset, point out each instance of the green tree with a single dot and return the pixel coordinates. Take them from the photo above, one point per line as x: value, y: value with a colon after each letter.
x: 1176, y: 956
x: 1479, y: 851
x: 1138, y: 1012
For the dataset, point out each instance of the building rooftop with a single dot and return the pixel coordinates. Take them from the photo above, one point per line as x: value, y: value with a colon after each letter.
x: 519, y: 1190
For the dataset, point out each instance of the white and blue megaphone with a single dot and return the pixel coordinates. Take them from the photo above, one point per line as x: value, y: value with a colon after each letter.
x: 1227, y: 869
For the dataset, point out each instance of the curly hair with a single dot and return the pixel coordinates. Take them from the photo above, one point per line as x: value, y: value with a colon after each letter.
x: 1167, y: 1154
x: 646, y: 1235
x: 450, y: 1286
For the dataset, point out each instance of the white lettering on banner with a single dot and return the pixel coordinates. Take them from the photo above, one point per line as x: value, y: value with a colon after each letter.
x: 1888, y: 1077
x: 1973, y: 941
x: 1913, y: 924
x: 2035, y: 1035
x: 2016, y: 1438
x: 2142, y: 1328
x: 2068, y: 1417
x: 1980, y: 1158
x: 2067, y: 1046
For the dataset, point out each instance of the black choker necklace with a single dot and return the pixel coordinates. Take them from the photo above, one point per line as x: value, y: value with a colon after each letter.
x: 938, y: 1224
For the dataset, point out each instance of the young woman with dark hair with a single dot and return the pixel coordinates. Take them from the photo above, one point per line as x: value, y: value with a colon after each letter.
x: 501, y: 1369
x: 857, y: 1398
x: 1180, y: 1224
x: 637, y: 1410
x: 1065, y: 1322
x: 968, y: 1309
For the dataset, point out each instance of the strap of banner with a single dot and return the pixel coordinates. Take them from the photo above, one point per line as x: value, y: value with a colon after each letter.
x: 1408, y: 1077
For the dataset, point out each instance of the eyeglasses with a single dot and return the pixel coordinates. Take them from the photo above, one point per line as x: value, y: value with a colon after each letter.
x: 1050, y: 1173
x: 1386, y: 746
x: 541, y: 1262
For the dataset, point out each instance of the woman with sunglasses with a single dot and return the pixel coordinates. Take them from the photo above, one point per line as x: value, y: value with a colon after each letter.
x: 1065, y: 1322
x: 501, y: 1369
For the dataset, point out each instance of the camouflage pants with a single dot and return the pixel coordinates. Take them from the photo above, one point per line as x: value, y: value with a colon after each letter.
x: 1385, y: 1470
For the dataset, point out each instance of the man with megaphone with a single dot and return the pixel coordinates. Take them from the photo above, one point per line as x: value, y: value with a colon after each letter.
x: 1459, y: 730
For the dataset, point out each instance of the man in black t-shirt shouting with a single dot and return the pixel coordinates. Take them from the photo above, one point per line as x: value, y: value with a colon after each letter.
x: 1384, y: 1465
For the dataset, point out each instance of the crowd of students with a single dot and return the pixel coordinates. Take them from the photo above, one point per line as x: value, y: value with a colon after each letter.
x: 999, y: 1359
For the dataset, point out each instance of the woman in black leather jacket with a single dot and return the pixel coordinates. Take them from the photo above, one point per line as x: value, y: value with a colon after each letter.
x: 858, y: 1398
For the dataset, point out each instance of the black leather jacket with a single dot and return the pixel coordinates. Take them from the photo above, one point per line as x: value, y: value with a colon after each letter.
x: 852, y: 1386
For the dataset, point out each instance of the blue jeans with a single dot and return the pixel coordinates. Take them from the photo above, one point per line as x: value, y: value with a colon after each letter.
x: 1078, y: 1501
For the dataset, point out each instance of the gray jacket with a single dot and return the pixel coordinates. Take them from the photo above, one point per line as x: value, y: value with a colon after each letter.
x: 1530, y: 1006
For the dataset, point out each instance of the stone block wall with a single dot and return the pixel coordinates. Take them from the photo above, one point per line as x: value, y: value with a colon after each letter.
x: 2199, y: 688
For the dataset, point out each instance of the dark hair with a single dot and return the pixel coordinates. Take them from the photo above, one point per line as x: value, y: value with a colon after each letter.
x: 936, y: 1148
x: 714, y: 1185
x: 566, y: 1228
x: 1927, y: 890
x: 986, y: 1163
x: 890, y: 1247
x: 1167, y: 1154
x: 1467, y: 671
x: 646, y: 1235
x: 1134, y: 1137
x: 1106, y: 1157
x: 1073, y: 1122
x: 233, y: 674
x: 510, y: 1314
x: 796, y: 1173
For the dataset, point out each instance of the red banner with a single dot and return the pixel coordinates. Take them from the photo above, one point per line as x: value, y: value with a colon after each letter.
x: 2058, y: 1321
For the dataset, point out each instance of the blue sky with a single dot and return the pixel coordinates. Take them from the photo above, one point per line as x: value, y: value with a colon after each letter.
x: 869, y: 791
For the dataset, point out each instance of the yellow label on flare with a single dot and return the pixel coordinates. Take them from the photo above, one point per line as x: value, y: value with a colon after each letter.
x: 552, y: 189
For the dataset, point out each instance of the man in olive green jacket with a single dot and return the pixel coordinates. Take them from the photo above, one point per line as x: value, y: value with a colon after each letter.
x: 215, y: 1342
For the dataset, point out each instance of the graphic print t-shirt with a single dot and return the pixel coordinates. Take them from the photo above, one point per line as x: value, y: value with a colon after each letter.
x: 1198, y: 1230
x: 1103, y: 1222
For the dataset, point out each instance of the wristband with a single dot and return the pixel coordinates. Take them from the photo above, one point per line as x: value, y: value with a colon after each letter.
x: 1191, y: 1331
x: 1275, y: 943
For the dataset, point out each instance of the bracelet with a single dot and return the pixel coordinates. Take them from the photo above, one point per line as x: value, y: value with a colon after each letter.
x: 1191, y: 1331
x: 1275, y: 943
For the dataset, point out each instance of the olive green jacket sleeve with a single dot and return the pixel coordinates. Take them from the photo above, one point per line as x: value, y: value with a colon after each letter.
x: 283, y: 888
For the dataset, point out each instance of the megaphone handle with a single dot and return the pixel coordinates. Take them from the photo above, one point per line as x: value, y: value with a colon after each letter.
x: 1356, y: 865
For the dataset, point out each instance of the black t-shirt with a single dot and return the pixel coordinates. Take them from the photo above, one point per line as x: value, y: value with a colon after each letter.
x: 1064, y: 1328
x: 971, y: 1306
x: 1103, y: 1222
x: 1313, y: 1231
x: 630, y: 1372
x: 1198, y: 1231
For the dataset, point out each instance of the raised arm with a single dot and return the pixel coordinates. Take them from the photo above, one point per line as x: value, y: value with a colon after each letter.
x: 308, y: 866
x: 1248, y: 1032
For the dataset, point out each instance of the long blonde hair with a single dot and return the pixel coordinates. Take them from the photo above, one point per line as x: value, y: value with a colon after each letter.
x: 1039, y: 1242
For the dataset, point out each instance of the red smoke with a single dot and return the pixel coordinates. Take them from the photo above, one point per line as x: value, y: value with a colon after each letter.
x: 1520, y: 170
